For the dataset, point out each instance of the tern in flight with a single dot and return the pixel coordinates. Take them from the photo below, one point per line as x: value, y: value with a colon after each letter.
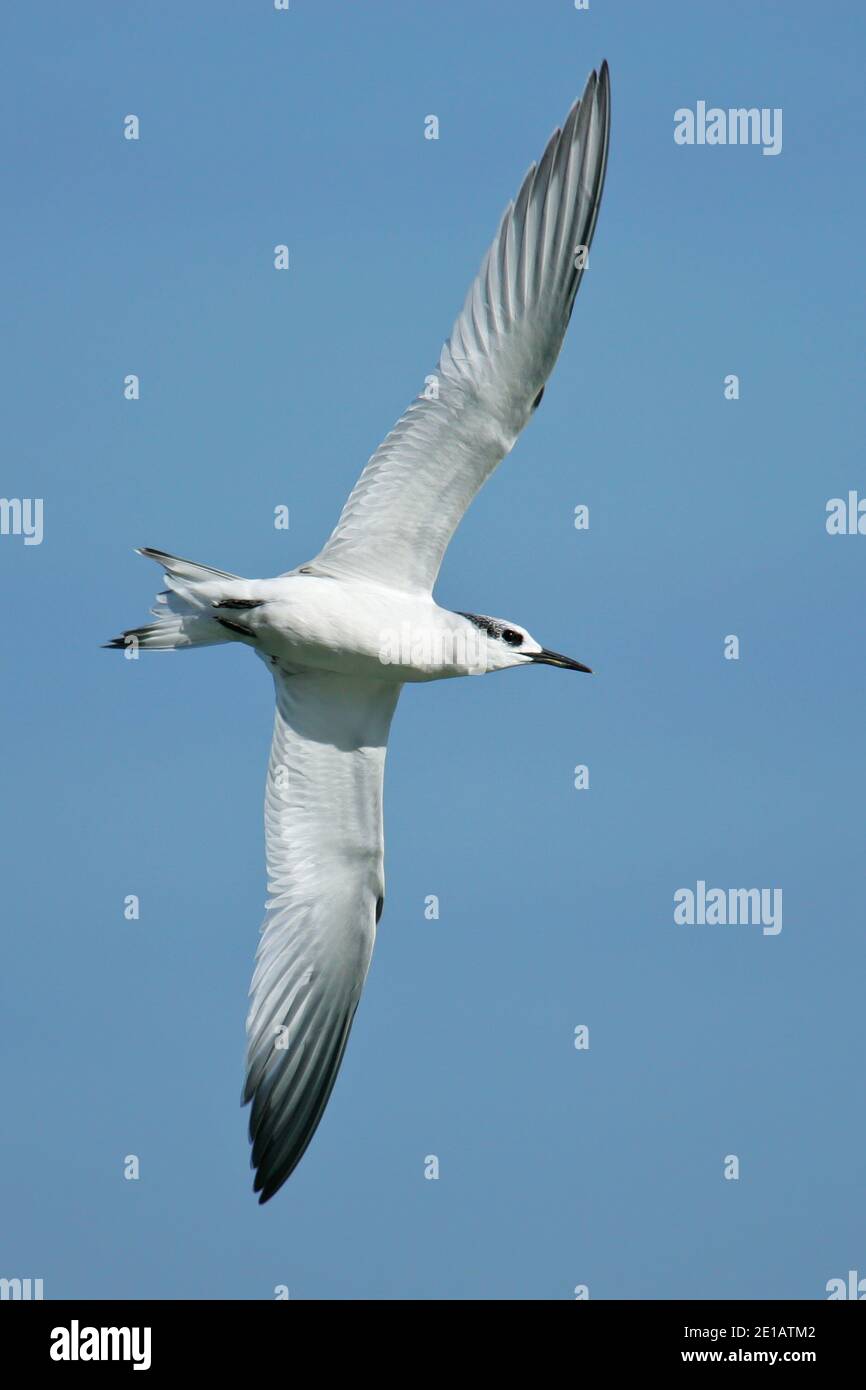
x: 343, y: 633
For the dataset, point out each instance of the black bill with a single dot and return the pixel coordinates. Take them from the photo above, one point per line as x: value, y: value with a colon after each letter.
x: 546, y: 658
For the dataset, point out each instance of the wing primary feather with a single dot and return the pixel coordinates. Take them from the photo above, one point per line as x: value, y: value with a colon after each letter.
x: 323, y: 837
x: 399, y: 518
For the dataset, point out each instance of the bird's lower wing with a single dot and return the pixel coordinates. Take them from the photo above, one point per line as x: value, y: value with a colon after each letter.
x: 323, y: 831
x: 405, y: 507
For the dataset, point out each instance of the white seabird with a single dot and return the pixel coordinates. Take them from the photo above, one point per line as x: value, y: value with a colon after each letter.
x: 343, y: 633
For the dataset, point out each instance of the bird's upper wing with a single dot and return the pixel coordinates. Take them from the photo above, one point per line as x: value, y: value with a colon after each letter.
x: 405, y: 507
x: 323, y: 832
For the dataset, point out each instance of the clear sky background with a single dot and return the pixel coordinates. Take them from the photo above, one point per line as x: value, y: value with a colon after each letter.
x: 558, y: 1167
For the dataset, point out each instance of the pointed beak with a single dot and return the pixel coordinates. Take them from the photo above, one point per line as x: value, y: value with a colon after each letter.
x: 546, y: 658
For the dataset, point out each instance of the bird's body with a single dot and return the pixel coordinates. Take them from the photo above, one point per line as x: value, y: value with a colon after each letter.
x: 304, y: 622
x: 353, y: 627
x: 342, y: 634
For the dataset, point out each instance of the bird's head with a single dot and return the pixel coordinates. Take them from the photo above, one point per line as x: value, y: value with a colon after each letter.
x: 502, y: 644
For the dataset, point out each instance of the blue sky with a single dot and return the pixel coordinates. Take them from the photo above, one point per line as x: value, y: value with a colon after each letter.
x: 558, y: 1167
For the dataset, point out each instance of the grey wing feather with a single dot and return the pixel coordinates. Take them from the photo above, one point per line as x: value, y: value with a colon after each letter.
x: 323, y: 832
x: 405, y: 507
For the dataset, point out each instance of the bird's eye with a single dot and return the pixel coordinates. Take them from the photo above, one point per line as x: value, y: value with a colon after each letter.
x: 513, y: 638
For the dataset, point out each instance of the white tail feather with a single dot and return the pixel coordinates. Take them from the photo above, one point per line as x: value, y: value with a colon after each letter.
x: 184, y: 615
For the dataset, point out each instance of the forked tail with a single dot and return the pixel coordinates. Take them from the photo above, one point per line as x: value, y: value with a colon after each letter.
x: 185, y: 616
